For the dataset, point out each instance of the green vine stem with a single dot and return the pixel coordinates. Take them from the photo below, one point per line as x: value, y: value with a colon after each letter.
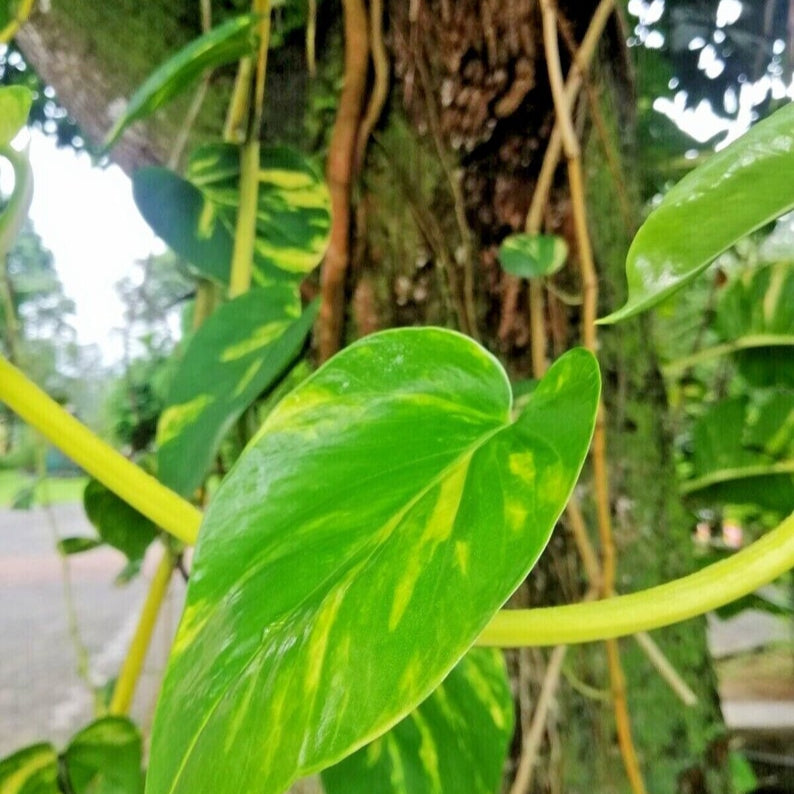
x: 245, y: 229
x: 743, y: 343
x: 140, y: 490
x: 139, y: 646
x: 714, y: 586
x: 681, y: 599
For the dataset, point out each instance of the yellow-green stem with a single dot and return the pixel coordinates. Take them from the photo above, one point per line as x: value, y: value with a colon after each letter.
x: 673, y: 602
x: 712, y: 587
x: 139, y: 647
x: 150, y: 497
x: 10, y: 30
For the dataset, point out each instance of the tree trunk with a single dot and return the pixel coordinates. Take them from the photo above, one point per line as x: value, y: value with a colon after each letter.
x: 450, y: 171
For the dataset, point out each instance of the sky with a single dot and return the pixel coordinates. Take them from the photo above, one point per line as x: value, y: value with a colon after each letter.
x: 86, y: 216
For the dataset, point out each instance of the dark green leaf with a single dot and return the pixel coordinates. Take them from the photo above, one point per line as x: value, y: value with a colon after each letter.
x: 533, y: 255
x: 456, y: 740
x: 196, y: 216
x: 181, y: 215
x: 32, y: 770
x: 224, y: 44
x: 77, y: 545
x: 238, y: 353
x: 118, y: 524
x: 15, y: 102
x: 387, y: 508
x: 105, y: 758
x: 736, y: 191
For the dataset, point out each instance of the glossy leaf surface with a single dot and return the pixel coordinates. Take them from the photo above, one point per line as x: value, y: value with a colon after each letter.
x: 239, y: 352
x: 456, y: 740
x: 387, y: 508
x: 118, y: 524
x: 224, y: 44
x: 196, y: 216
x: 32, y: 770
x: 532, y: 255
x: 105, y: 758
x: 734, y: 192
x: 15, y: 102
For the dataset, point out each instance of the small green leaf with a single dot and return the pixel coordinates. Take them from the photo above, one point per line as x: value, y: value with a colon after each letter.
x: 196, y: 216
x: 105, y: 758
x: 238, y: 353
x: 224, y: 44
x: 386, y: 510
x: 533, y: 255
x: 735, y: 192
x: 118, y: 524
x: 15, y: 102
x: 32, y: 770
x: 77, y: 545
x: 456, y: 740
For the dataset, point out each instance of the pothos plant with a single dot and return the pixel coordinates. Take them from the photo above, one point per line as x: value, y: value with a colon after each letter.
x: 384, y: 511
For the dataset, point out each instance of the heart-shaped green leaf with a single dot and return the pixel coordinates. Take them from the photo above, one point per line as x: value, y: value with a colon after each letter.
x: 386, y: 510
x: 238, y: 353
x: 105, y: 758
x: 533, y: 255
x: 15, y: 102
x: 736, y: 191
x: 118, y: 524
x: 32, y: 770
x: 196, y: 216
x: 224, y: 44
x: 456, y: 740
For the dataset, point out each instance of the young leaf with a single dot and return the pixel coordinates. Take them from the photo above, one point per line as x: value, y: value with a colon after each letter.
x: 238, y: 353
x: 118, y: 524
x: 15, y: 102
x: 32, y: 770
x: 456, y: 740
x: 733, y: 193
x: 105, y: 758
x: 533, y: 255
x: 386, y: 510
x: 77, y: 544
x: 196, y: 215
x: 224, y: 44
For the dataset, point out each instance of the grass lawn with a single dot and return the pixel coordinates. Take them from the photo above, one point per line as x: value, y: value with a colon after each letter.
x: 55, y: 490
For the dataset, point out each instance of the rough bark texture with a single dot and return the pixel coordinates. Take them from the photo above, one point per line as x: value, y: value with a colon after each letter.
x: 450, y: 173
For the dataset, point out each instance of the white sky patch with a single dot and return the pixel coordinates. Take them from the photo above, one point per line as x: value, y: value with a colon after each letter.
x: 728, y: 11
x: 86, y: 216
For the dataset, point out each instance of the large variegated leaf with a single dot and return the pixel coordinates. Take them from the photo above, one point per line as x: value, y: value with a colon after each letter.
x: 456, y: 740
x: 734, y: 192
x: 32, y: 770
x: 387, y: 508
x: 224, y: 44
x: 238, y: 353
x: 196, y: 215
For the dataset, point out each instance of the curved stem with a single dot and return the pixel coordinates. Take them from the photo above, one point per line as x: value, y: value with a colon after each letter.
x: 742, y: 343
x: 140, y: 490
x: 10, y: 30
x: 139, y: 646
x: 693, y: 595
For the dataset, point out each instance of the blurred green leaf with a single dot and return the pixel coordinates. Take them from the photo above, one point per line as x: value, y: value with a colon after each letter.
x: 456, y: 740
x: 77, y: 545
x: 15, y: 102
x: 238, y: 353
x: 735, y: 192
x: 533, y: 255
x: 415, y: 484
x: 118, y: 524
x: 32, y: 770
x: 224, y: 44
x: 105, y: 758
x: 196, y: 216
